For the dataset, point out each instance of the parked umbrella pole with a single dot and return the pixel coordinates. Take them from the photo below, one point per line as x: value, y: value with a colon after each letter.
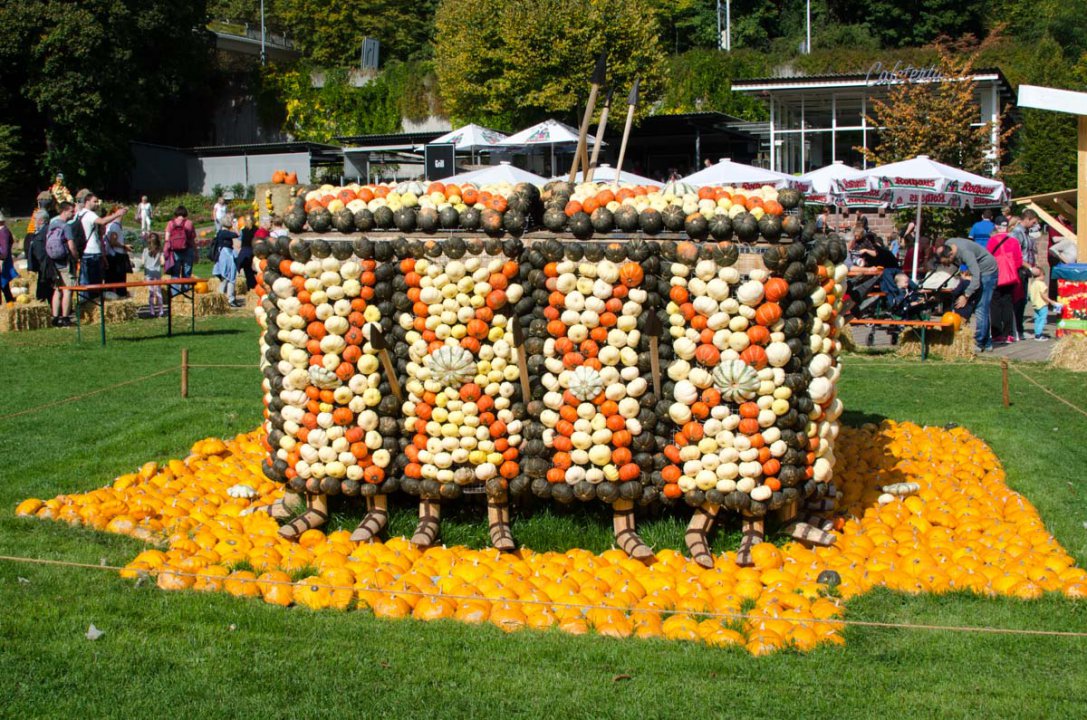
x: 599, y: 137
x: 583, y: 134
x: 632, y: 102
x: 916, y: 239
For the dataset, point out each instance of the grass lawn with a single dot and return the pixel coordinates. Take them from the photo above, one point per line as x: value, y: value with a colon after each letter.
x: 211, y: 655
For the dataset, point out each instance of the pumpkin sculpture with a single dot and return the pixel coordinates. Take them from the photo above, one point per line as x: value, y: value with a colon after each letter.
x: 740, y: 427
x: 590, y: 433
x: 329, y: 413
x: 457, y: 302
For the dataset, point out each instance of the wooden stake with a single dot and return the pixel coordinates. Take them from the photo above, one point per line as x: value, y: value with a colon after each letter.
x: 1004, y: 382
x: 184, y: 372
x: 653, y: 330
x: 583, y: 134
x: 522, y: 361
x: 599, y: 137
x: 632, y: 102
x: 377, y: 339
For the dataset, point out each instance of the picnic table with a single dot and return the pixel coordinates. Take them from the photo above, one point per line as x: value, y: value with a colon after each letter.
x: 187, y: 288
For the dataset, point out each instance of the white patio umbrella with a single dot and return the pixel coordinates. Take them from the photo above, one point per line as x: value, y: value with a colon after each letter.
x: 472, y: 138
x: 921, y: 181
x: 606, y: 173
x: 548, y: 132
x: 828, y: 183
x: 502, y: 172
x: 748, y: 177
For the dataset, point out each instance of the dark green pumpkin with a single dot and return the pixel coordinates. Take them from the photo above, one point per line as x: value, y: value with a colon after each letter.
x: 650, y: 221
x: 720, y: 227
x: 673, y: 218
x: 405, y: 220
x: 580, y: 225
x: 427, y: 219
x: 319, y: 220
x: 746, y: 227
x: 554, y: 220
x: 295, y: 220
x: 696, y: 226
x: 603, y: 220
x: 344, y: 221
x: 626, y: 218
x: 383, y: 216
x: 364, y: 220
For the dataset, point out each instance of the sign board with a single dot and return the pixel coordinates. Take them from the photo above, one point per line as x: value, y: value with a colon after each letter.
x: 441, y: 160
x: 880, y: 75
x: 371, y: 51
x: 1043, y: 98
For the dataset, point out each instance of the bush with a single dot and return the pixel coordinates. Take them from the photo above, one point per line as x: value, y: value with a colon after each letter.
x: 199, y: 207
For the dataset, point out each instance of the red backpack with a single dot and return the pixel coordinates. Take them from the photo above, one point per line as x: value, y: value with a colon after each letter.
x: 177, y: 236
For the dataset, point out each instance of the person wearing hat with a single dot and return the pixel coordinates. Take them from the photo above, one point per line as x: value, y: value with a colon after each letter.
x: 7, y: 261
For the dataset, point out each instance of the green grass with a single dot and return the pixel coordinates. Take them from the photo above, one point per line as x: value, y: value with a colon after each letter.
x: 178, y: 654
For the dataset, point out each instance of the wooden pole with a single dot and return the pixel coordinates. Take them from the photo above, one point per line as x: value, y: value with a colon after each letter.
x: 599, y: 138
x: 184, y: 372
x: 632, y: 102
x: 653, y: 330
x: 522, y: 360
x: 1081, y: 188
x: 590, y: 107
x: 1004, y: 382
x: 377, y: 339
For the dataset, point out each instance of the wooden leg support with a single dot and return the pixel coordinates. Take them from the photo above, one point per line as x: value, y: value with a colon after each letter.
x: 626, y: 537
x: 285, y: 508
x: 375, y: 520
x: 426, y: 532
x: 697, y: 535
x: 498, y: 517
x: 754, y: 532
x: 315, y: 516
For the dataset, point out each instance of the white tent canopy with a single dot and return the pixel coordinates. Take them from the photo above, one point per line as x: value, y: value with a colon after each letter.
x: 548, y: 132
x: 503, y: 172
x: 834, y: 179
x: 748, y: 177
x: 472, y: 137
x: 606, y: 173
x: 923, y: 182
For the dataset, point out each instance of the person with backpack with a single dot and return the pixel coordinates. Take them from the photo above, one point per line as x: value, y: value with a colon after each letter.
x: 180, y: 250
x: 7, y: 261
x: 60, y: 257
x: 118, y: 263
x: 87, y: 233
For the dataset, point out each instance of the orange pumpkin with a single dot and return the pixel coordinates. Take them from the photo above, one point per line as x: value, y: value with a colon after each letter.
x: 707, y: 355
x: 631, y: 274
x: 291, y: 178
x: 768, y: 313
x: 755, y: 356
x: 278, y: 177
x: 776, y: 289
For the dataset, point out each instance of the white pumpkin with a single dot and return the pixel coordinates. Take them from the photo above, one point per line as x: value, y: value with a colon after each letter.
x: 750, y: 293
x: 585, y: 383
x: 451, y: 366
x: 736, y: 380
x: 778, y: 354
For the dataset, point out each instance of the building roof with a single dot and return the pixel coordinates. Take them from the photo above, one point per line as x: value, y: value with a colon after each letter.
x: 398, y: 141
x: 683, y: 123
x: 317, y: 150
x: 842, y: 80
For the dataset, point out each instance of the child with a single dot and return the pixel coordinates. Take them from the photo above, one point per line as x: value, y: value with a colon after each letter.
x: 152, y: 270
x: 1040, y: 301
x: 226, y: 269
x: 904, y: 299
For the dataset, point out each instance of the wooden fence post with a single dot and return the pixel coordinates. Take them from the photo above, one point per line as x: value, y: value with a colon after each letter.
x: 184, y: 372
x: 1004, y: 382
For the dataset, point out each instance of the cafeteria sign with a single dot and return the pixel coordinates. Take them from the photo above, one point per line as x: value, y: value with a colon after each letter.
x: 879, y: 75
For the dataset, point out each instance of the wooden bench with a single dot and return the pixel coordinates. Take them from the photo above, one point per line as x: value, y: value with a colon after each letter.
x: 923, y: 325
x: 187, y: 288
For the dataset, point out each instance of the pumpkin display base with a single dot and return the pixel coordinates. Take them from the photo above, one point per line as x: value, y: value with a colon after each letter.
x: 498, y: 519
x: 809, y: 532
x: 626, y: 537
x: 374, y: 522
x: 285, y: 508
x: 427, y: 531
x: 754, y: 532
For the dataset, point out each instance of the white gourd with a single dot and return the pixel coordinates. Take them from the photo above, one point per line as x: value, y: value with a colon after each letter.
x: 451, y: 366
x: 585, y: 383
x: 736, y: 380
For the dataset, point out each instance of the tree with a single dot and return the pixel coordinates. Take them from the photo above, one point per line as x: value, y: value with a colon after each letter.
x: 330, y: 32
x: 935, y: 119
x: 89, y: 77
x: 509, y: 63
x: 898, y: 24
x: 700, y: 80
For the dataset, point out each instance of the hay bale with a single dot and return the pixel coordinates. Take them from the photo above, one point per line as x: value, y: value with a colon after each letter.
x: 29, y: 316
x: 117, y: 311
x: 944, y: 343
x: 1070, y: 353
x: 845, y: 336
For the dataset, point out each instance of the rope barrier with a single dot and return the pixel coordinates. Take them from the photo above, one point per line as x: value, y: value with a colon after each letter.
x: 980, y: 629
x: 83, y: 396
x: 1047, y: 391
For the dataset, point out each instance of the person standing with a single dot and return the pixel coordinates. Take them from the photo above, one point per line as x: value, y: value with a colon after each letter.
x: 1041, y: 302
x: 1023, y: 231
x: 60, y: 258
x: 7, y: 261
x: 152, y: 270
x: 143, y: 214
x: 118, y: 264
x: 218, y: 213
x: 89, y: 233
x: 180, y: 246
x: 1009, y: 288
x: 983, y: 229
x: 983, y: 278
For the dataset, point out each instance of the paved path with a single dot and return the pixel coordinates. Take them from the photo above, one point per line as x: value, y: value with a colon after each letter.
x: 1028, y: 350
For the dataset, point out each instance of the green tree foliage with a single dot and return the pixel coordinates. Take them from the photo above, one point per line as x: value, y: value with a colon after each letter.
x: 686, y: 24
x: 1044, y: 149
x: 899, y: 24
x: 700, y: 80
x: 508, y: 63
x: 330, y: 32
x: 85, y: 78
x: 339, y: 108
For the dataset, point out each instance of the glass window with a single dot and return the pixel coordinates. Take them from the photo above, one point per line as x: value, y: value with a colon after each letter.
x: 846, y: 142
x: 847, y: 109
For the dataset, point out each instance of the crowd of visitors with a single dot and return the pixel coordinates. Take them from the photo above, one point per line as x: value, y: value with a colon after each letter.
x: 996, y: 269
